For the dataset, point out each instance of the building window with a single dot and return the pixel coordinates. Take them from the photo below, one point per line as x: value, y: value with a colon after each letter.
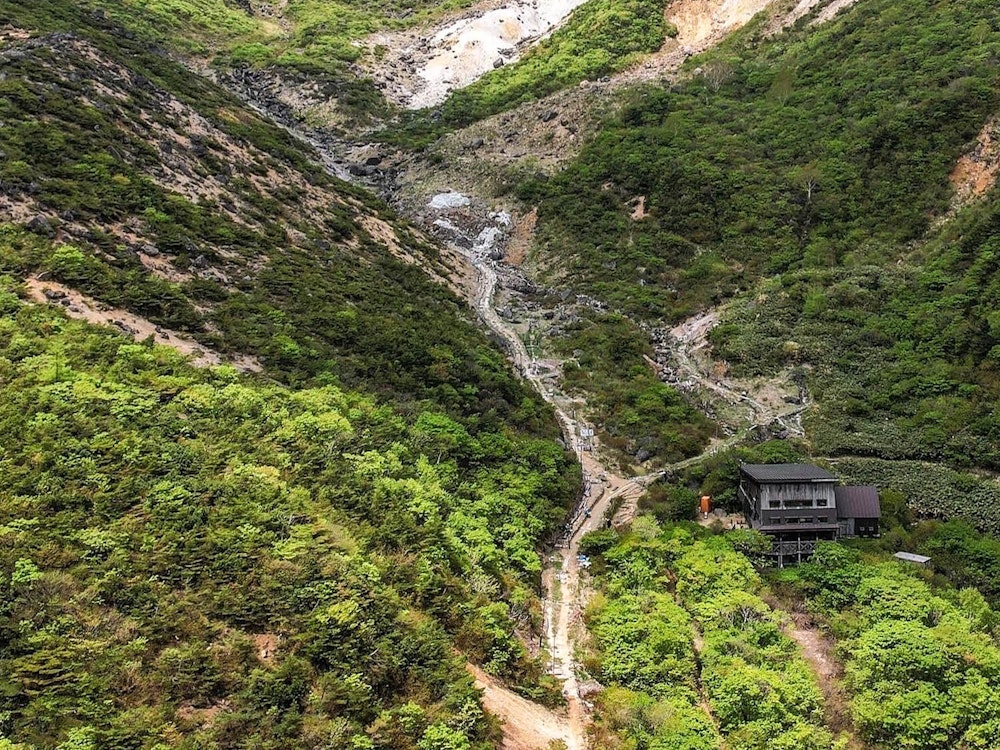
x: 772, y: 504
x: 820, y: 502
x: 823, y: 519
x: 798, y: 503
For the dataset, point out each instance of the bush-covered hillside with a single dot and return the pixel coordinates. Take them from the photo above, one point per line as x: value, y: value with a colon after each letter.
x: 685, y: 635
x: 820, y: 147
x: 922, y: 662
x: 161, y: 194
x: 805, y: 176
x: 304, y: 557
x: 639, y: 417
x: 692, y: 655
x: 192, y: 558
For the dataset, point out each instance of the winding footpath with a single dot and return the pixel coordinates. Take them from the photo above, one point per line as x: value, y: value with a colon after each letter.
x: 608, y: 497
x: 528, y: 725
x: 563, y: 594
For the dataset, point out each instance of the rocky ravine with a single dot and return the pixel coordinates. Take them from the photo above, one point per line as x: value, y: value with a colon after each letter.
x: 473, y: 158
x: 418, y: 68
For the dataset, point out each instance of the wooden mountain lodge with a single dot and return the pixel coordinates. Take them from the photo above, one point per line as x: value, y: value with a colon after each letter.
x: 798, y: 505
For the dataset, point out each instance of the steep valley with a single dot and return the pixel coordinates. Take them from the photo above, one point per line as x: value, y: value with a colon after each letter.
x: 363, y: 365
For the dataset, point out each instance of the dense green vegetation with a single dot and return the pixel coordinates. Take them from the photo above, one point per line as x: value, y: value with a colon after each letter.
x: 823, y: 146
x: 921, y: 655
x: 905, y: 359
x: 201, y: 559
x: 157, y: 519
x: 639, y: 416
x: 759, y: 690
x: 922, y: 663
x: 931, y: 490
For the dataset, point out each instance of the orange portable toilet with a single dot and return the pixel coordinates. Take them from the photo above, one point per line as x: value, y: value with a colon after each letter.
x: 706, y: 504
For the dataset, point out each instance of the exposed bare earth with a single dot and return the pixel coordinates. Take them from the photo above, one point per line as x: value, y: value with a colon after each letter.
x: 821, y: 10
x: 976, y: 171
x: 266, y: 645
x: 80, y: 306
x: 776, y: 400
x: 527, y: 725
x: 818, y: 650
x: 832, y: 9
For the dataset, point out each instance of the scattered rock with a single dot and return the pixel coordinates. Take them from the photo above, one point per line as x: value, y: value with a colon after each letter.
x: 449, y: 200
x: 41, y: 225
x: 590, y: 688
x: 549, y: 116
x: 498, y: 63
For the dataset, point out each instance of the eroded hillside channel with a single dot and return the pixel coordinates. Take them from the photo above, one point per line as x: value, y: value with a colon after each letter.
x: 611, y: 493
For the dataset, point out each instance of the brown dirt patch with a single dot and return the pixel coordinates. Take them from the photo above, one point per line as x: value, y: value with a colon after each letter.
x: 818, y: 649
x: 380, y: 231
x: 203, y: 717
x: 521, y: 238
x: 78, y: 305
x: 526, y: 725
x: 266, y: 645
x: 638, y: 208
x: 976, y: 172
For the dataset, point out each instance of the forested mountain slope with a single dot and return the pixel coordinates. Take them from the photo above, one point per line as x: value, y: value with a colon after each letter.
x: 152, y: 190
x: 195, y: 559
x: 303, y: 556
x: 690, y: 644
x: 806, y: 177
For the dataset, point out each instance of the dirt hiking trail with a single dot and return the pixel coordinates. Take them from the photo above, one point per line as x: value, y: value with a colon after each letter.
x: 607, y: 497
x: 78, y: 305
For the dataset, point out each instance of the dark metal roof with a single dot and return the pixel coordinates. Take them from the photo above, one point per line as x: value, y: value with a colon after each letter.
x: 786, y: 473
x: 857, y: 502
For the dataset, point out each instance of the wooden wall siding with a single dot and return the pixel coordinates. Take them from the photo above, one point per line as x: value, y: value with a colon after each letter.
x: 760, y: 497
x: 803, y: 491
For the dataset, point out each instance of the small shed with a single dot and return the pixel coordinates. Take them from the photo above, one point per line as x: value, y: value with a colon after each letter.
x: 912, y: 558
x: 858, y: 511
